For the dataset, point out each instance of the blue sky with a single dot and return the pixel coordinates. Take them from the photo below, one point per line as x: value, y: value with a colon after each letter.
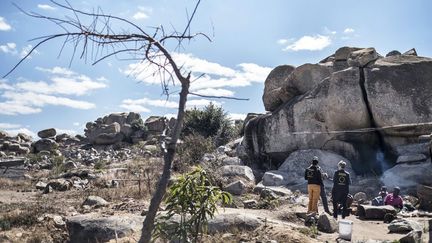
x: 249, y: 38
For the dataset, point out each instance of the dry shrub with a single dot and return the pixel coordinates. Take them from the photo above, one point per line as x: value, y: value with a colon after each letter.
x: 137, y: 180
x: 191, y: 151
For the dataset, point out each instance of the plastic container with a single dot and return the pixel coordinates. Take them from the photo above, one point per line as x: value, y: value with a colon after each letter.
x: 345, y: 229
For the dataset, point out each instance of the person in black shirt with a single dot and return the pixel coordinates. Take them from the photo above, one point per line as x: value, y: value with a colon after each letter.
x: 313, y: 176
x: 341, y: 182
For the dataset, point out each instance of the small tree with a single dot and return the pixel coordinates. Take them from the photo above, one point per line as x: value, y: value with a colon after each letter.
x: 195, y: 200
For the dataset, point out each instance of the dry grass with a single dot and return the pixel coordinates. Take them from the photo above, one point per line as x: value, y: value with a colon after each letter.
x: 8, y: 184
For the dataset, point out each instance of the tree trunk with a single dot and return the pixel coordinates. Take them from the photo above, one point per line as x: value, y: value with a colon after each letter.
x: 156, y: 200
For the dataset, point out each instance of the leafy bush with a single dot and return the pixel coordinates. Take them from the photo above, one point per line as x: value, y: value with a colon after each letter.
x: 211, y: 122
x: 195, y: 200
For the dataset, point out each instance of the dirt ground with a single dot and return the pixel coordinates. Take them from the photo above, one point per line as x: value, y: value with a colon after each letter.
x: 282, y: 224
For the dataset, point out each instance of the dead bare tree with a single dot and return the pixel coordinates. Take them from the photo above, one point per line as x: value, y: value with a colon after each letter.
x: 97, y: 41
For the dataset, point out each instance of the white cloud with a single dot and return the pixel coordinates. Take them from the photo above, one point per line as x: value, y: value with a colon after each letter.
x: 282, y: 41
x: 216, y: 76
x: 14, y: 132
x: 134, y: 108
x: 76, y: 124
x: 140, y: 15
x: 67, y: 131
x: 32, y: 100
x: 237, y: 116
x: 8, y: 48
x: 64, y: 81
x: 4, y: 126
x: 309, y: 43
x: 45, y: 7
x: 29, y: 97
x: 25, y: 50
x: 349, y: 30
x: 201, y: 103
x: 4, y: 26
x: 215, y: 92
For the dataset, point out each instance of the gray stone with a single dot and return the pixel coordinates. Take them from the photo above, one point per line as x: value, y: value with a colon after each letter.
x: 40, y: 185
x: 415, y: 236
x: 424, y: 193
x: 360, y: 197
x: 70, y: 165
x: 236, y: 188
x: 278, y: 190
x: 393, y: 53
x: 250, y: 203
x: 46, y: 144
x: 95, y: 201
x: 275, y: 178
x: 242, y: 171
x: 272, y: 86
x: 296, y: 163
x: 411, y: 52
x: 408, y: 176
x: 47, y: 133
x: 374, y: 212
x: 233, y: 222
x: 404, y: 226
x: 155, y: 123
x: 59, y: 185
x: 96, y: 228
x: 361, y: 58
x: 343, y: 53
x: 414, y: 148
x: 108, y: 138
x: 231, y: 161
x: 410, y: 158
x: 327, y: 223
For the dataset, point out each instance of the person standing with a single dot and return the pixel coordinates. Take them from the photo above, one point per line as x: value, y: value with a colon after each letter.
x: 313, y: 176
x: 341, y: 182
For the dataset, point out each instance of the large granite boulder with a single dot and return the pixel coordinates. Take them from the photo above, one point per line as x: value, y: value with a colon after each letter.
x: 355, y: 103
x: 273, y: 84
x: 408, y: 176
x: 44, y: 144
x: 96, y: 228
x: 398, y: 92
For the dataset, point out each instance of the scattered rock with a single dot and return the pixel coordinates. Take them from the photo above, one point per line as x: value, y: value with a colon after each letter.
x: 59, y: 185
x: 424, y: 194
x: 327, y: 223
x: 238, y: 171
x: 236, y: 188
x: 47, y: 133
x: 411, y: 52
x: 231, y: 161
x: 403, y: 226
x: 41, y: 185
x: 275, y: 178
x: 45, y: 144
x: 414, y: 236
x: 95, y: 201
x: 233, y: 223
x: 250, y: 203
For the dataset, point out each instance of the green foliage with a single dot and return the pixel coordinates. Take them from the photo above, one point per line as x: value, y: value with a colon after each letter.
x: 211, y: 122
x: 100, y: 164
x: 191, y: 151
x: 192, y: 198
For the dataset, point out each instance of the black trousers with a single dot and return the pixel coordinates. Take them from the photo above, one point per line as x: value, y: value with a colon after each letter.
x: 324, y: 199
x: 340, y: 199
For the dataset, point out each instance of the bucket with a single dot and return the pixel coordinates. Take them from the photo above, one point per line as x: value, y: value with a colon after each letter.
x: 345, y: 229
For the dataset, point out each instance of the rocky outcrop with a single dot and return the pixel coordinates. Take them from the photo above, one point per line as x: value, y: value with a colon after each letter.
x: 407, y: 176
x: 355, y: 103
x: 14, y: 145
x: 115, y: 128
x: 47, y: 133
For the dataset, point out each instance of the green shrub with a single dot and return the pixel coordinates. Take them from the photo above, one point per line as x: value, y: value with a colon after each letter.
x: 195, y: 200
x: 210, y: 122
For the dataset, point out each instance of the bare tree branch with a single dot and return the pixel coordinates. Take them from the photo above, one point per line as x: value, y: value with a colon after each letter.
x: 217, y: 97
